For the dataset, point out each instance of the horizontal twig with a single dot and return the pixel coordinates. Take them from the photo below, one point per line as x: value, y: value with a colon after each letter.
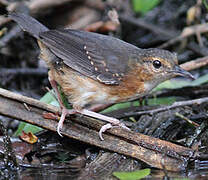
x: 195, y: 64
x: 24, y: 71
x: 165, y: 108
x: 155, y: 152
x: 187, y: 31
x: 151, y: 27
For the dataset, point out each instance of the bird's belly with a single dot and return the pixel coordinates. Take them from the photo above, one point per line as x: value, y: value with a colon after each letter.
x: 88, y: 93
x: 81, y: 90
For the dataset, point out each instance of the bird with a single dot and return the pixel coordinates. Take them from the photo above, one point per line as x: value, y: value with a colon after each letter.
x: 95, y: 71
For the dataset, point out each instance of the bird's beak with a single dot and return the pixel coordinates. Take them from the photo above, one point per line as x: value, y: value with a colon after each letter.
x: 181, y: 72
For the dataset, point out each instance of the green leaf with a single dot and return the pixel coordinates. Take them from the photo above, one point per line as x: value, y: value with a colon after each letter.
x: 160, y: 101
x: 201, y: 80
x: 205, y: 4
x: 26, y: 127
x: 152, y: 101
x: 175, y: 83
x: 49, y: 98
x: 143, y: 6
x: 135, y: 175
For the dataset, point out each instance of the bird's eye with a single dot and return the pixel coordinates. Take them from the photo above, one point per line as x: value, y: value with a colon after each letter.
x: 157, y: 64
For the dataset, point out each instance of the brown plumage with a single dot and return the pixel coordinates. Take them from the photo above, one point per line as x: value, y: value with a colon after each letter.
x: 96, y: 70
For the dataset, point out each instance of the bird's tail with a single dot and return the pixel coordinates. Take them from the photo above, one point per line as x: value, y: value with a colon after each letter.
x: 28, y: 23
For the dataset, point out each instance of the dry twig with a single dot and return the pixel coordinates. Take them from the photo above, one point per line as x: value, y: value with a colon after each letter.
x: 195, y: 64
x: 166, y: 108
x: 40, y: 5
x: 188, y: 31
x: 24, y: 71
x: 85, y: 129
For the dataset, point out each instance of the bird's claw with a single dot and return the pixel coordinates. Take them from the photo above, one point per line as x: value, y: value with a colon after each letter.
x: 103, y: 129
x: 59, y: 127
x: 109, y: 126
x: 64, y: 112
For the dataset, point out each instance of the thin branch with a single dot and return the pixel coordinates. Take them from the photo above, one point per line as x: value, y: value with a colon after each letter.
x: 8, y: 36
x: 188, y: 31
x: 24, y: 71
x: 201, y: 51
x: 166, y: 108
x: 151, y: 27
x: 195, y: 64
x: 40, y: 5
x: 172, y: 36
x: 135, y: 145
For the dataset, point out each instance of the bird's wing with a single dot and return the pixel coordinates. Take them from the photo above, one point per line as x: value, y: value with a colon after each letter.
x: 99, y: 57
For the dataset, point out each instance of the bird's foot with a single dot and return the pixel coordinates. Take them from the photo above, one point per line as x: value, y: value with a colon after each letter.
x: 110, y: 126
x: 113, y: 122
x: 64, y: 113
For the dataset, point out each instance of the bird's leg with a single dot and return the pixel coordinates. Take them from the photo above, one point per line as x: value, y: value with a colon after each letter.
x: 55, y: 87
x: 64, y: 110
x: 113, y: 122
